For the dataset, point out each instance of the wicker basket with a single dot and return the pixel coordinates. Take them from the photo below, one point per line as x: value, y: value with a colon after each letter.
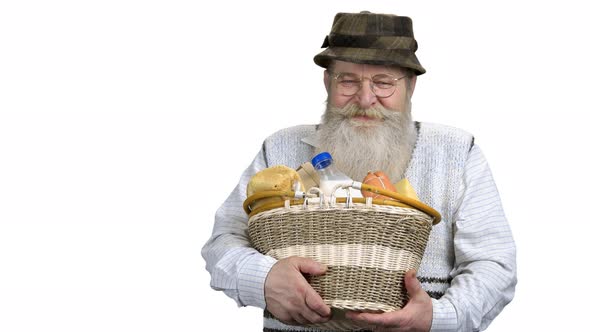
x: 367, y: 244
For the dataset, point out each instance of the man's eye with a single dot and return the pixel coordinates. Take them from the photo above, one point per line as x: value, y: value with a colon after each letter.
x: 383, y: 84
x: 349, y: 82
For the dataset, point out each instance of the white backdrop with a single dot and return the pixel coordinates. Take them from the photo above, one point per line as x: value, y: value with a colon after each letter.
x: 125, y: 124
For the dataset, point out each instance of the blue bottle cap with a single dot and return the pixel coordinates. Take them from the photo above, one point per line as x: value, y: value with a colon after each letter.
x: 321, y: 160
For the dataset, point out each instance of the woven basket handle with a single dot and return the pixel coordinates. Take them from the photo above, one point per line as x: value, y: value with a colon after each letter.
x: 405, y: 200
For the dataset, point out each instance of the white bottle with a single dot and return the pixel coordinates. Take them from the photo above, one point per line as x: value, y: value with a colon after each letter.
x: 331, y: 177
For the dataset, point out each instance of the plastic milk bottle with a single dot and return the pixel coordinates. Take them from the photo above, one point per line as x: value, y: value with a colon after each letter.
x: 331, y: 177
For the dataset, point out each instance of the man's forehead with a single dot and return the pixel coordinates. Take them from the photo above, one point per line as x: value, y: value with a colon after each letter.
x: 359, y: 68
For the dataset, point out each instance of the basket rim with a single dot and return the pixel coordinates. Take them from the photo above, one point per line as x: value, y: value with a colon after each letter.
x: 395, y: 200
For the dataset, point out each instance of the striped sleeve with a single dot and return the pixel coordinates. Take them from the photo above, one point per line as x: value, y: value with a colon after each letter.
x: 484, y: 274
x: 236, y: 268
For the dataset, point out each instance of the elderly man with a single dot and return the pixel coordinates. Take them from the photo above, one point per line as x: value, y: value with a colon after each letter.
x: 468, y: 272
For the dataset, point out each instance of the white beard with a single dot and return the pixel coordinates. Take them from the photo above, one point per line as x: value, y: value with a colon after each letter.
x: 359, y: 147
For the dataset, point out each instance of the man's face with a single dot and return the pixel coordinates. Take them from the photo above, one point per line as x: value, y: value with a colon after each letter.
x: 365, y: 98
x: 362, y: 131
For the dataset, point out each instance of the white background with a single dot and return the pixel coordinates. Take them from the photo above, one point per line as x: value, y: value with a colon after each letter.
x: 125, y: 124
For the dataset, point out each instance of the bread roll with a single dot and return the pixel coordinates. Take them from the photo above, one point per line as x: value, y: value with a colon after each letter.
x: 275, y: 178
x: 380, y: 180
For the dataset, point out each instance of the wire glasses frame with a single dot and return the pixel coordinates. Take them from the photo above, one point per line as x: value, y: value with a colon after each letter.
x: 382, y: 85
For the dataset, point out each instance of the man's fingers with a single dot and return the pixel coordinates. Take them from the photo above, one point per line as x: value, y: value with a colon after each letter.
x: 312, y: 316
x: 309, y: 266
x: 412, y: 284
x: 288, y: 295
x: 302, y: 314
x: 415, y: 316
x: 300, y: 318
x: 284, y: 317
x: 391, y: 319
x: 316, y: 304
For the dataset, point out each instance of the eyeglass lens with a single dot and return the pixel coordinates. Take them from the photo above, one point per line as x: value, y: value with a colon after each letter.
x: 382, y: 85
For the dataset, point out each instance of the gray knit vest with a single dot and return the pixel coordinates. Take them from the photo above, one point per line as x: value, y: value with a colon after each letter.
x: 435, y: 171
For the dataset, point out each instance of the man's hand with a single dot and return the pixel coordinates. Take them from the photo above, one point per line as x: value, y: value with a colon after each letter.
x: 289, y: 297
x: 415, y: 316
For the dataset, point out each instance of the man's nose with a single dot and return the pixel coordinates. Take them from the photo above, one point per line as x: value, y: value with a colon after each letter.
x: 366, y: 97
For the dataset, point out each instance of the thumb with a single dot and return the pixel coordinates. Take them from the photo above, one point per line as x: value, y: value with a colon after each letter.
x: 309, y: 266
x: 412, y: 284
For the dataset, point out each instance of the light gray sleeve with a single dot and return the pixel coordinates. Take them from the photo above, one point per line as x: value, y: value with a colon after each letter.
x: 236, y: 268
x: 484, y: 275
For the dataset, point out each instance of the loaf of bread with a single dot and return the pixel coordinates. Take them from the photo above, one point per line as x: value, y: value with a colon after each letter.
x: 380, y: 180
x: 275, y: 178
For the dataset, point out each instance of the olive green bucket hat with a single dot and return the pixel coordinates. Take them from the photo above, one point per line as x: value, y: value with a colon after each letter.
x: 377, y: 39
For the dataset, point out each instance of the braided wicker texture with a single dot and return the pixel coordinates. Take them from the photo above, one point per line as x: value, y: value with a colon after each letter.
x: 367, y: 248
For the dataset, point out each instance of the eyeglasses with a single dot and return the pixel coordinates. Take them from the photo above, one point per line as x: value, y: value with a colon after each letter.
x: 382, y: 85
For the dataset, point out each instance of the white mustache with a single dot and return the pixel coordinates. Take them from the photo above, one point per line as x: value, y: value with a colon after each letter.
x: 352, y: 110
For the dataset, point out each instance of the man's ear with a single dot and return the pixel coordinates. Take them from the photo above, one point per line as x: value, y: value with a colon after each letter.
x: 327, y: 80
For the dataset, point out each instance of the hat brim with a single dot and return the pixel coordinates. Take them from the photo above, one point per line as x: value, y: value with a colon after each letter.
x: 372, y: 56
